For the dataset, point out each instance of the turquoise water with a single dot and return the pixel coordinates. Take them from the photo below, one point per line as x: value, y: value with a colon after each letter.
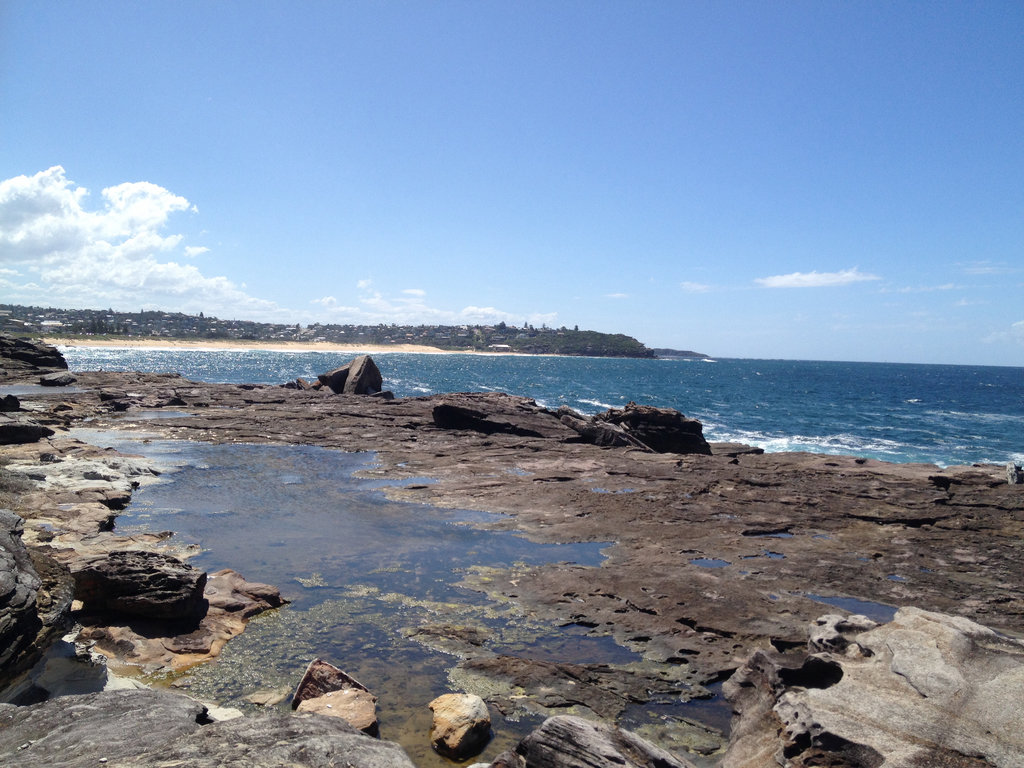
x: 943, y: 414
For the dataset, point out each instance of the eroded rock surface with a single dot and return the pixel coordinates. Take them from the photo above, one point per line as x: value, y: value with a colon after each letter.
x: 22, y: 357
x: 572, y: 742
x: 926, y: 689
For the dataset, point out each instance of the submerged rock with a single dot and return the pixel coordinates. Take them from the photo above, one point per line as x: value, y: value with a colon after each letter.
x: 461, y: 725
x: 946, y: 689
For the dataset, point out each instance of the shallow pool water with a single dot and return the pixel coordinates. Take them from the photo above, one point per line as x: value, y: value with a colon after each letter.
x: 373, y: 583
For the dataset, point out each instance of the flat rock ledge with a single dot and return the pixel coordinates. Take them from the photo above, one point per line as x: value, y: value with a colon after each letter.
x: 156, y: 729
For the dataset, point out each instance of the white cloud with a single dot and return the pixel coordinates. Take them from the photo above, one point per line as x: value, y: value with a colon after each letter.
x: 1013, y: 335
x: 815, y: 279
x: 117, y: 255
x: 689, y: 287
x: 409, y: 307
x: 195, y: 250
x: 987, y: 267
x: 616, y: 295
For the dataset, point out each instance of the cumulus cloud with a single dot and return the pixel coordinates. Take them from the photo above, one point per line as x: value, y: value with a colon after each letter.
x: 55, y: 250
x: 816, y: 279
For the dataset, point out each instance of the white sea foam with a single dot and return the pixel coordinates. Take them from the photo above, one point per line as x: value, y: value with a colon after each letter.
x: 596, y: 403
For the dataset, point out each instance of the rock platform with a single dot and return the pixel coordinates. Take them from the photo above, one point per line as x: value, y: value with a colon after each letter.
x: 711, y: 558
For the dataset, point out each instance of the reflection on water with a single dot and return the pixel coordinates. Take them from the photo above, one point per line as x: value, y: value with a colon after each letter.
x: 372, y: 581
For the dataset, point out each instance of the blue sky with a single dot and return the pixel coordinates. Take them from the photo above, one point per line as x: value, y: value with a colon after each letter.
x: 815, y: 180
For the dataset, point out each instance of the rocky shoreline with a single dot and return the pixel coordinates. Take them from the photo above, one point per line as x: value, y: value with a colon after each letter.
x: 722, y: 564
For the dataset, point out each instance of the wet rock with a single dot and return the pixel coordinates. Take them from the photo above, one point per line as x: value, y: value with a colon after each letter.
x: 461, y: 725
x: 572, y: 742
x: 59, y: 379
x: 156, y: 729
x: 358, y: 377
x: 18, y: 428
x: 228, y: 590
x: 137, y: 583
x: 947, y: 690
x: 663, y: 430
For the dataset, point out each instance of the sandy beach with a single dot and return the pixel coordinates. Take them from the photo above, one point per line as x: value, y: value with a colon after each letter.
x: 271, y: 346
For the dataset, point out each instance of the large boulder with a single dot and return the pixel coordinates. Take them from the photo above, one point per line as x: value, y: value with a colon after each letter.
x: 926, y: 689
x: 358, y: 377
x: 144, y: 584
x: 572, y: 742
x: 157, y: 729
x: 663, y: 430
x: 461, y: 725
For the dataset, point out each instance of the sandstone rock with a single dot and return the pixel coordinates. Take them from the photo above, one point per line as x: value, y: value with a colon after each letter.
x: 358, y: 377
x: 137, y: 583
x: 322, y: 677
x: 355, y: 706
x: 598, y: 432
x: 228, y: 590
x: 363, y: 377
x: 461, y: 725
x: 157, y: 729
x: 18, y: 428
x: 572, y: 742
x: 924, y: 689
x: 663, y: 430
x: 1014, y: 474
x: 59, y: 379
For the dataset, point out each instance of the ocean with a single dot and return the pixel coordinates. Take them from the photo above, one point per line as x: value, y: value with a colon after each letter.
x: 941, y: 414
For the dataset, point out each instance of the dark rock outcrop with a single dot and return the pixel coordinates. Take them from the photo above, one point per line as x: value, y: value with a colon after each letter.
x: 18, y: 428
x: 663, y: 430
x: 358, y: 377
x: 137, y: 583
x: 572, y: 742
x: 156, y: 729
x: 496, y: 413
x: 35, y: 596
x: 924, y: 689
x: 9, y: 404
x: 21, y: 357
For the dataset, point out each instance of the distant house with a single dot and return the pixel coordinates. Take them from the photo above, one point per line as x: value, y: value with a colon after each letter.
x: 500, y: 347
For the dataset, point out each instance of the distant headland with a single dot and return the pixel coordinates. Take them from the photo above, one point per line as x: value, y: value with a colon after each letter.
x: 154, y: 326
